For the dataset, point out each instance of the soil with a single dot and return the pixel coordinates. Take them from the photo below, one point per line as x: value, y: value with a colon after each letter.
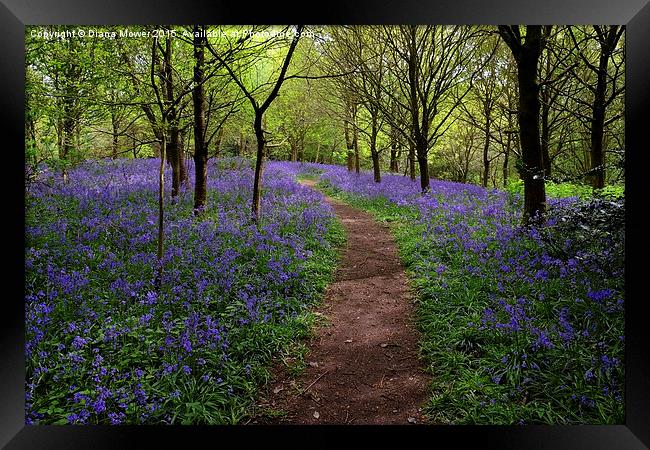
x: 362, y: 366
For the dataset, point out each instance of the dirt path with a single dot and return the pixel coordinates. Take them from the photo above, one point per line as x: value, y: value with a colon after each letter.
x: 362, y: 366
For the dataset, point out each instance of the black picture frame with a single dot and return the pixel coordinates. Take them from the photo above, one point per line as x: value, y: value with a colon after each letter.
x: 16, y: 14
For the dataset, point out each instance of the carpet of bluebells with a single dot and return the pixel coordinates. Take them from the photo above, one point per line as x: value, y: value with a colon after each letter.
x: 520, y: 324
x: 105, y: 346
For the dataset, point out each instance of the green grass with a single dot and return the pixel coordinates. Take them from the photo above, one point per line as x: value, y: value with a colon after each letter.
x: 562, y: 190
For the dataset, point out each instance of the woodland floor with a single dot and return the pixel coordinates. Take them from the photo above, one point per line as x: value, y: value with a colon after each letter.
x: 362, y: 365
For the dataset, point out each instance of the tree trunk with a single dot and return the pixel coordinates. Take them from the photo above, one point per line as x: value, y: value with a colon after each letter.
x: 301, y: 149
x: 174, y: 159
x: 68, y: 137
x: 506, y: 155
x: 394, y: 143
x: 200, y: 149
x: 218, y: 142
x: 375, y: 167
x: 182, y: 167
x: 421, y: 150
x: 294, y: 151
x: 174, y: 150
x: 545, y: 133
x: 486, y: 159
x: 394, y: 158
x: 374, y: 154
x: 355, y: 141
x: 597, y: 172
x: 68, y: 144
x: 259, y: 168
x: 394, y: 163
x: 349, y: 145
x: 533, y: 170
x: 317, y: 152
x: 241, y: 143
x: 114, y: 152
x: 424, y: 174
x: 419, y: 130
x: 161, y: 213
x: 411, y: 159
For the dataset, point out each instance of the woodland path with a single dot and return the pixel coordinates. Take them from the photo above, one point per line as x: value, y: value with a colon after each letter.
x: 362, y: 365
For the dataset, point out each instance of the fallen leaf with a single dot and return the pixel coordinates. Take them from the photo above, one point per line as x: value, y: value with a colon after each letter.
x: 348, y: 341
x: 277, y: 389
x: 316, y: 415
x: 411, y: 420
x: 383, y: 345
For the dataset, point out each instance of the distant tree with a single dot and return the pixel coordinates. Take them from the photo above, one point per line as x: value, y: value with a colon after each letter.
x: 480, y: 108
x: 172, y: 98
x: 429, y: 65
x: 598, y: 48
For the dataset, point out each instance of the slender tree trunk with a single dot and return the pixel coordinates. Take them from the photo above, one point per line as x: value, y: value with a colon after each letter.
x: 375, y: 167
x: 294, y: 151
x: 545, y: 133
x: 486, y: 148
x: 161, y: 213
x: 219, y: 141
x: 68, y: 143
x: 173, y: 157
x: 69, y: 127
x: 373, y: 150
x: 259, y: 167
x: 200, y: 149
x: 70, y: 111
x: 419, y: 130
x: 355, y: 142
x: 60, y: 138
x: 174, y: 150
x: 394, y: 158
x: 421, y: 151
x: 317, y: 152
x: 394, y: 143
x: 394, y: 164
x: 349, y: 145
x: 301, y: 149
x: 114, y: 124
x: 182, y: 167
x: 68, y: 137
x: 411, y: 159
x: 506, y: 155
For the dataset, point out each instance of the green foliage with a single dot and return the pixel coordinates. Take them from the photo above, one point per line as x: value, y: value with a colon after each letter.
x: 563, y: 190
x: 612, y: 191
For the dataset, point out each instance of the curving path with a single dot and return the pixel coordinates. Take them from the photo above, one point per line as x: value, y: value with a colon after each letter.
x: 362, y: 366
